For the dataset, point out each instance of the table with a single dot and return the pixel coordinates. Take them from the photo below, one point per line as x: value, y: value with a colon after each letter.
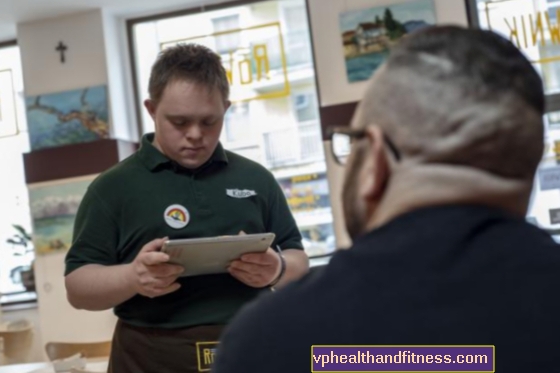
x: 95, y: 365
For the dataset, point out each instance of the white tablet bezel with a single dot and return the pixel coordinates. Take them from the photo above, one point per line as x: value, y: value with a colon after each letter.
x: 212, y: 255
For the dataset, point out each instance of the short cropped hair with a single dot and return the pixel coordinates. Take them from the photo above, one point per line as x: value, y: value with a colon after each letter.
x: 190, y: 62
x: 461, y: 96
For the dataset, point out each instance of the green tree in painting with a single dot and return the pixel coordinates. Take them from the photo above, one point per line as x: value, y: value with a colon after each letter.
x: 390, y: 24
x: 395, y: 29
x: 378, y: 21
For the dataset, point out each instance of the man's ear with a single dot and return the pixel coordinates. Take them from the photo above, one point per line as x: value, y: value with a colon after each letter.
x: 228, y: 105
x: 151, y: 107
x: 375, y: 172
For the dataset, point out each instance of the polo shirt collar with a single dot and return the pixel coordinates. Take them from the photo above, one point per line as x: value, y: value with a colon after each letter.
x: 152, y: 158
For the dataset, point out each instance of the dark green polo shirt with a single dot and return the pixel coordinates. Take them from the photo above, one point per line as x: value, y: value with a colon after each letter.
x: 125, y: 207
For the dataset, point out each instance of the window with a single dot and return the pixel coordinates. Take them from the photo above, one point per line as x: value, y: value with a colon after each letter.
x: 274, y: 114
x: 305, y: 105
x: 16, y: 252
x: 307, y: 114
x: 236, y: 122
x: 228, y: 42
x: 533, y: 27
x: 298, y: 43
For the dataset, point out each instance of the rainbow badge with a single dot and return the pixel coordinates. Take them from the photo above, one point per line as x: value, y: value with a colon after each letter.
x: 176, y: 216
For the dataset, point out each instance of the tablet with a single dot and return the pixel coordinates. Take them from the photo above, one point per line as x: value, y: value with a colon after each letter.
x: 204, y: 256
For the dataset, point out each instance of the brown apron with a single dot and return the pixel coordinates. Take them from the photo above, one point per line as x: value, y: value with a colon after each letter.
x: 154, y: 350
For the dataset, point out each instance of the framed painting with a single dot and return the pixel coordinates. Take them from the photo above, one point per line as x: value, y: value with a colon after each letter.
x: 54, y: 205
x: 368, y: 34
x: 69, y: 117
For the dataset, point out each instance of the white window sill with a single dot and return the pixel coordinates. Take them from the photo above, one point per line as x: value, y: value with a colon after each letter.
x: 18, y: 301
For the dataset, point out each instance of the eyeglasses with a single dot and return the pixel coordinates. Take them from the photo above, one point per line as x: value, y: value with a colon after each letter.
x: 342, y: 139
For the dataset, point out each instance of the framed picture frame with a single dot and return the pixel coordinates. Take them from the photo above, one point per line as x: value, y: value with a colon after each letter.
x: 54, y: 205
x: 367, y: 35
x: 328, y: 41
x: 8, y: 115
x: 69, y: 117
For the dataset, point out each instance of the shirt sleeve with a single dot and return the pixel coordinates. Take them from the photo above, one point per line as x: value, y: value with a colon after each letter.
x: 281, y: 221
x: 95, y: 235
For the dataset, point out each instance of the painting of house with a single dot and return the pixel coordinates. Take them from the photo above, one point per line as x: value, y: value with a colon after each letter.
x: 369, y: 34
x: 349, y: 41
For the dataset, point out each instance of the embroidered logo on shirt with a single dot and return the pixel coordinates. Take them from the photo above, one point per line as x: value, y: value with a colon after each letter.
x: 236, y: 193
x: 176, y: 216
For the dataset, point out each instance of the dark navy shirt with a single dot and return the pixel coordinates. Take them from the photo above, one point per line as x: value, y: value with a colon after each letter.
x: 451, y: 275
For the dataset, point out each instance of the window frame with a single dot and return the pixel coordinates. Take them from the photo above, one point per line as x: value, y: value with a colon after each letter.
x: 235, y: 16
x: 29, y: 297
x: 130, y: 23
x: 552, y: 100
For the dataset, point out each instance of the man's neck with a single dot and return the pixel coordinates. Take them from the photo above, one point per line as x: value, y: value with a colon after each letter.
x: 411, y: 188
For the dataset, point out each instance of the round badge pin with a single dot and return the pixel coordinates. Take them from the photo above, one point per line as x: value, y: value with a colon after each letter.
x: 176, y: 216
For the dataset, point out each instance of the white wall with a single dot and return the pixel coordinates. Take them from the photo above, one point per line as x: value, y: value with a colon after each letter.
x: 85, y: 64
x: 59, y: 321
x: 329, y: 57
x: 97, y: 54
x: 121, y: 95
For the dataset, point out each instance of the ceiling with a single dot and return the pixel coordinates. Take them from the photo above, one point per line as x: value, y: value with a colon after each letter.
x: 16, y: 11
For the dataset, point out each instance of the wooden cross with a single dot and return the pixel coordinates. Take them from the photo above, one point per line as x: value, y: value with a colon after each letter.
x: 61, y: 48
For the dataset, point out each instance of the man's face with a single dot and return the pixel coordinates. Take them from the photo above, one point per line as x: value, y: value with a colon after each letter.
x: 355, y: 216
x: 365, y: 173
x: 188, y: 120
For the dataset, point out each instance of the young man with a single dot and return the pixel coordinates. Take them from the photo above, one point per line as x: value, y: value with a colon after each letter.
x: 178, y: 185
x: 445, y: 145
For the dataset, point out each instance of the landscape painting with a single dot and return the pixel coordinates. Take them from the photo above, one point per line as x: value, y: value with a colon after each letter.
x: 369, y: 34
x: 53, y: 209
x: 69, y: 117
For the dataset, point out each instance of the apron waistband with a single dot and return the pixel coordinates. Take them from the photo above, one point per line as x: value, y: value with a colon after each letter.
x: 139, y: 349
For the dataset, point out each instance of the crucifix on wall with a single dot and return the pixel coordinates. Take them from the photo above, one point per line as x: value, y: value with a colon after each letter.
x: 61, y: 48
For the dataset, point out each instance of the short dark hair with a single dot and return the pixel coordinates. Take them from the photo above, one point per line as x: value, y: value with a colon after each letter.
x: 483, y: 55
x: 461, y: 96
x: 191, y: 62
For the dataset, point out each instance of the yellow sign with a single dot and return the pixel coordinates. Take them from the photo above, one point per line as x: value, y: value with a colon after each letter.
x: 306, y: 192
x: 556, y: 150
x: 526, y: 27
x: 256, y: 65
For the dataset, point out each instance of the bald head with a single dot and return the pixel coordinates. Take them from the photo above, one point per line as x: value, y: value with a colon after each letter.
x: 458, y: 96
